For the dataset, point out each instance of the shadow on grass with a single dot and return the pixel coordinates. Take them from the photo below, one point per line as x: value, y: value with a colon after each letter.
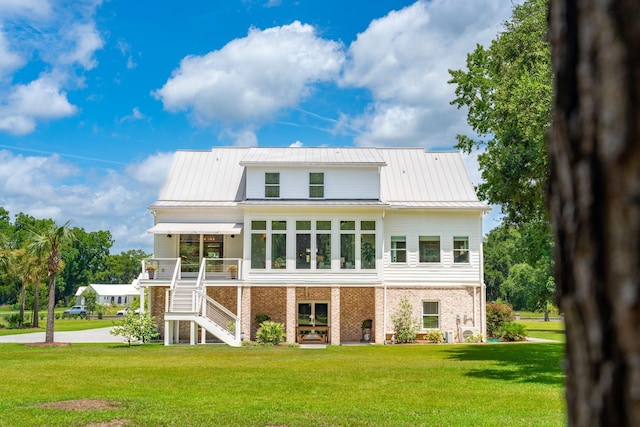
x: 528, y: 363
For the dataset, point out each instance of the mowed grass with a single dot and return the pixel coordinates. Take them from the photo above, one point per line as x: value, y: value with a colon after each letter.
x: 212, y: 385
x: 62, y: 325
x: 547, y: 330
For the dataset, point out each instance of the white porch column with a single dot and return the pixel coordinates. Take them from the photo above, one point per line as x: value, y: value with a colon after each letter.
x: 167, y: 332
x: 245, y: 312
x: 192, y: 333
x: 379, y: 322
x: 290, y: 325
x: 176, y: 332
x: 142, y: 308
x: 335, y: 315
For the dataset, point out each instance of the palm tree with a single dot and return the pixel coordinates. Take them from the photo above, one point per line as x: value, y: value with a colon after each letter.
x: 50, y: 242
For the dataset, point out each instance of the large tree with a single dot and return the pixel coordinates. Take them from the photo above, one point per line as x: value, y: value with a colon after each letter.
x: 507, y: 91
x: 595, y: 205
x: 84, y: 257
x: 51, y: 242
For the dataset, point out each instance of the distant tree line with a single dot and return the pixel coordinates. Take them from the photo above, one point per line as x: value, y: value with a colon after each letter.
x: 85, y: 259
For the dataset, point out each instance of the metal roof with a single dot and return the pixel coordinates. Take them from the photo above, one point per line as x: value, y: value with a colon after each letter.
x: 316, y: 156
x: 204, y: 176
x: 409, y: 177
x: 114, y: 290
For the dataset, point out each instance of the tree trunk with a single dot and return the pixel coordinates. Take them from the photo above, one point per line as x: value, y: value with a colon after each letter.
x: 23, y: 291
x: 595, y: 204
x: 51, y: 308
x: 36, y: 301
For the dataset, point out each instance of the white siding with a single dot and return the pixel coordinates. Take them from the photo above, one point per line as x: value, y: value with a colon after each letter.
x: 447, y: 225
x: 339, y: 182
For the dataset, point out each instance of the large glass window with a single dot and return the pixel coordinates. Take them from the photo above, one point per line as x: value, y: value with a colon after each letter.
x: 313, y: 314
x: 316, y: 185
x: 272, y: 185
x: 278, y: 244
x: 303, y: 244
x: 460, y: 249
x: 367, y: 245
x: 430, y: 315
x: 398, y: 249
x: 190, y: 252
x: 429, y: 248
x: 347, y: 244
x: 323, y: 245
x: 258, y: 244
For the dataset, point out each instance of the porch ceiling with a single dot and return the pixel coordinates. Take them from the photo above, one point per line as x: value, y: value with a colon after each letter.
x: 196, y: 228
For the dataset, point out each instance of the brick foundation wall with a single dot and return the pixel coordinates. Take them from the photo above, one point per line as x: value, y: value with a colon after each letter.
x: 452, y: 302
x: 269, y: 301
x: 356, y: 305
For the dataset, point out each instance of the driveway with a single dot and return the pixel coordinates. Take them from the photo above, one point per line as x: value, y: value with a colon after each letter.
x: 88, y: 336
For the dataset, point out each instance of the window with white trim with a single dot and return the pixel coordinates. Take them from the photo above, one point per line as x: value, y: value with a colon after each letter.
x: 271, y: 185
x: 430, y: 315
x: 316, y: 185
x: 398, y: 248
x: 429, y: 248
x: 461, y: 249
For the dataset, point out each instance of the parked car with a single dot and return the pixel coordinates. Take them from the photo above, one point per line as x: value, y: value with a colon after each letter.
x: 125, y: 310
x: 76, y: 310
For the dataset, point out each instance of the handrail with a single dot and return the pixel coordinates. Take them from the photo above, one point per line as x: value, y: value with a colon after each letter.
x: 221, y: 310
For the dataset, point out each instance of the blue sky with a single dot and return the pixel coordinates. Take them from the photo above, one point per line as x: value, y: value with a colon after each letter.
x: 95, y: 96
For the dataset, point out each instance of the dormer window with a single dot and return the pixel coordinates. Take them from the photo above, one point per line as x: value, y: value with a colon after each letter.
x: 316, y: 185
x: 271, y: 185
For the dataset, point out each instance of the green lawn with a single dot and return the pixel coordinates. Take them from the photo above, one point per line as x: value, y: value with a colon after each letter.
x: 412, y: 385
x: 546, y: 330
x: 61, y: 325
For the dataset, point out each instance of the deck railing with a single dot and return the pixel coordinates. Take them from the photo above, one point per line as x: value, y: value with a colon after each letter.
x: 218, y: 314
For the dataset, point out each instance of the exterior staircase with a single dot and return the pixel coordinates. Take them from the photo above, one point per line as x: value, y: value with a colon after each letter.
x: 188, y: 302
x: 182, y: 296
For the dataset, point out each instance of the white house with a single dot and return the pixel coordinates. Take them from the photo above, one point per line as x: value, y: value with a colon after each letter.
x: 319, y: 239
x: 109, y: 294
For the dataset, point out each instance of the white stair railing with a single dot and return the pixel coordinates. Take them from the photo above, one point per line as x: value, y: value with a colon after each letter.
x: 218, y: 314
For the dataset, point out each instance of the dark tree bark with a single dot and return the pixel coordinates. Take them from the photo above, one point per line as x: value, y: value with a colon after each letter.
x: 595, y: 204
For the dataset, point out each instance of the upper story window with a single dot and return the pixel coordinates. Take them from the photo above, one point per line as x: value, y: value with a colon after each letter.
x: 398, y: 249
x: 272, y: 185
x: 429, y: 247
x: 316, y: 185
x: 347, y: 244
x: 461, y: 249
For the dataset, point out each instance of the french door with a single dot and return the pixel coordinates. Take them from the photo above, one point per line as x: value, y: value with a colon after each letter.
x: 313, y: 314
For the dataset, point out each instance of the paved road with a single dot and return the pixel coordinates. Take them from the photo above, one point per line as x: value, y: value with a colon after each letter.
x: 90, y: 335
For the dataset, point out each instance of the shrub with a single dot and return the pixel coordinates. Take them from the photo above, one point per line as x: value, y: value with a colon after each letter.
x: 434, y: 336
x: 405, y: 326
x: 498, y: 313
x: 136, y: 327
x: 14, y: 321
x: 270, y: 333
x: 512, y: 331
x: 474, y: 338
x: 260, y: 318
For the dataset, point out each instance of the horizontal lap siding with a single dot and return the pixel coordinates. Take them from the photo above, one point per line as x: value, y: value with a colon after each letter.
x: 339, y: 183
x: 446, y: 225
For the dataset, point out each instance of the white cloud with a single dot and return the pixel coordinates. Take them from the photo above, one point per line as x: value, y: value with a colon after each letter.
x: 47, y: 187
x: 296, y: 144
x: 27, y: 8
x: 252, y: 78
x: 83, y: 41
x: 61, y: 41
x: 9, y: 60
x: 135, y: 115
x: 42, y: 99
x: 241, y: 138
x: 404, y: 58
